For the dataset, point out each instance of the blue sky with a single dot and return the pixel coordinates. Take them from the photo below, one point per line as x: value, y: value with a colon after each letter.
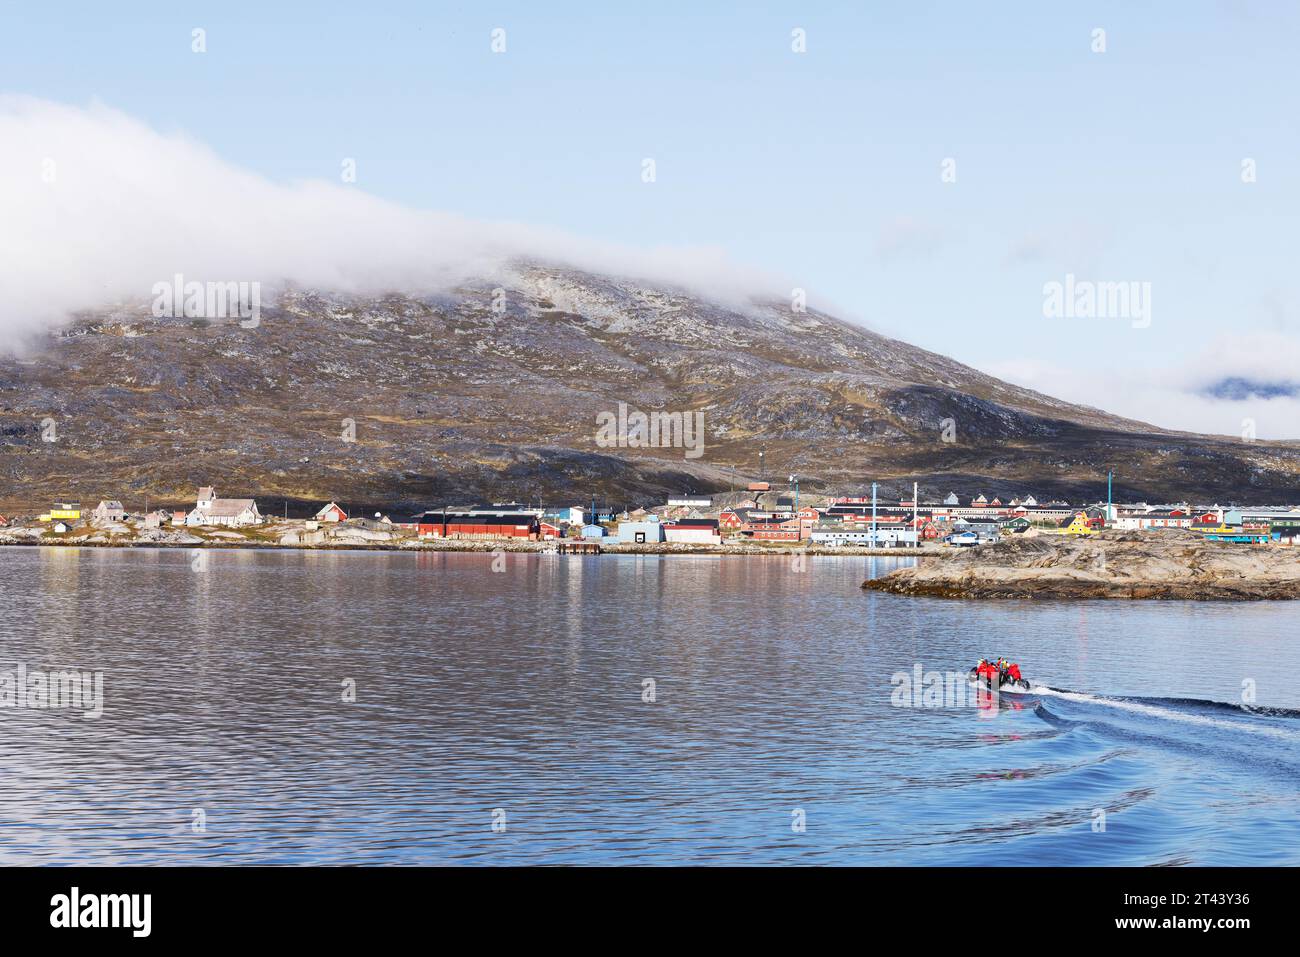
x: 822, y: 166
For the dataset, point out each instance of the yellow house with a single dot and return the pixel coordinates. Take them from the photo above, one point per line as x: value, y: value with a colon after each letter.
x: 63, y: 511
x: 1080, y: 525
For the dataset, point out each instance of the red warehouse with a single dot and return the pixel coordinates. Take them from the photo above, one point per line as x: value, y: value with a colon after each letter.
x: 477, y: 525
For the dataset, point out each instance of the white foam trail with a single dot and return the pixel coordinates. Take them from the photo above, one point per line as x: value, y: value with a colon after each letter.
x: 1167, y: 714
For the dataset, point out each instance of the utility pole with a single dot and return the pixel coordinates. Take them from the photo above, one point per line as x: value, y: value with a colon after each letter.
x: 916, y: 529
x: 798, y: 522
x: 873, y: 515
x: 1110, y: 475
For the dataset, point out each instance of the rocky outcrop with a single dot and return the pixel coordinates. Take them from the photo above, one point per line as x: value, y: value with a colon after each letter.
x: 1133, y: 565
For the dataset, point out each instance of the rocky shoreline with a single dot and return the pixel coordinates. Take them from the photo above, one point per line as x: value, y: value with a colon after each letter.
x: 1168, y: 565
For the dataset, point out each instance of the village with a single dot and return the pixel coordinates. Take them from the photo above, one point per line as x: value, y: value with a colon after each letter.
x: 761, y: 518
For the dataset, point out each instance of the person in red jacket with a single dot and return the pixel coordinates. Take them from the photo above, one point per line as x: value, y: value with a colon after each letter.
x: 997, y: 673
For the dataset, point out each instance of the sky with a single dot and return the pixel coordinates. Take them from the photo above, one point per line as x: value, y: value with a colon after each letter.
x: 926, y: 169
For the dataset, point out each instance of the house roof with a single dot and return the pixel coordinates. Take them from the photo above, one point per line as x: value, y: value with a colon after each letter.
x: 229, y: 507
x: 112, y: 504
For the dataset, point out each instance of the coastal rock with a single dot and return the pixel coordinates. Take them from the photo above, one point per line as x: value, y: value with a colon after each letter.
x: 1134, y: 565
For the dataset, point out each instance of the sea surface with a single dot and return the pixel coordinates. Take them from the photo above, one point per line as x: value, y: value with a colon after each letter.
x: 504, y: 714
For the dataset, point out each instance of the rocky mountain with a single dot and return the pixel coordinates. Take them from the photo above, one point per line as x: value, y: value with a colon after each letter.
x: 498, y: 390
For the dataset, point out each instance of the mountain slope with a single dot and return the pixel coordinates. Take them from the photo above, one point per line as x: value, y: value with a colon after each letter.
x: 494, y: 391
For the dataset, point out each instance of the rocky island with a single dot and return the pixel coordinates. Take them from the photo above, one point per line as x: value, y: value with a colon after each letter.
x: 1172, y: 564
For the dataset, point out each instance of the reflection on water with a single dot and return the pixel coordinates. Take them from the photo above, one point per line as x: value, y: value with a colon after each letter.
x: 522, y: 690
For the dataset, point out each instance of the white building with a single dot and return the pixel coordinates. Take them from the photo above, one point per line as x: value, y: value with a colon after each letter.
x: 697, y: 531
x: 231, y: 512
x: 690, y: 501
x: 856, y: 534
x: 570, y: 514
x: 1141, y: 517
x: 109, y: 511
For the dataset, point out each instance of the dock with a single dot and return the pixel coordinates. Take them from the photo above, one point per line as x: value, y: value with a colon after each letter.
x: 578, y: 548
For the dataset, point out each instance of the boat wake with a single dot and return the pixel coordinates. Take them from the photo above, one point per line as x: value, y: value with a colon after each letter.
x: 1278, y: 723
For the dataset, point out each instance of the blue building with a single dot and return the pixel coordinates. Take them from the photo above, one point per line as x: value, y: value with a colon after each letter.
x: 635, y: 533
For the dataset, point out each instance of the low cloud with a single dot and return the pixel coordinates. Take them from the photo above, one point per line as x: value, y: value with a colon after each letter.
x: 98, y: 207
x: 1230, y: 387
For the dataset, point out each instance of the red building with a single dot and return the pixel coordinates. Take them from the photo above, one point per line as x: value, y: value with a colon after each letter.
x: 476, y: 525
x: 332, y: 513
x: 773, y: 530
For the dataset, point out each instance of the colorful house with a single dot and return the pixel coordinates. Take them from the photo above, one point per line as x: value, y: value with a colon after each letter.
x: 1236, y: 533
x: 66, y: 511
x: 1081, y: 524
x: 772, y: 529
x: 332, y: 512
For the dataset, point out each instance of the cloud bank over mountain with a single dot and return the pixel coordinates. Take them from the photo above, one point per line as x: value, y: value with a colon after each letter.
x: 98, y: 207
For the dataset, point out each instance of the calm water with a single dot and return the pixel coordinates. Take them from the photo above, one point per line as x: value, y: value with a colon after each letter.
x: 522, y: 691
